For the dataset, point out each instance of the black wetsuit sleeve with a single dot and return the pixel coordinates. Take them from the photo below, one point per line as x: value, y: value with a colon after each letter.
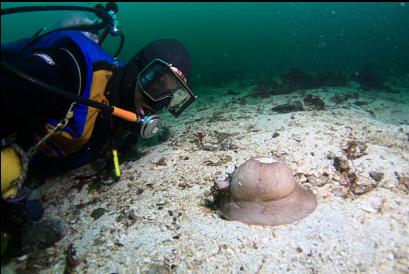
x: 25, y: 104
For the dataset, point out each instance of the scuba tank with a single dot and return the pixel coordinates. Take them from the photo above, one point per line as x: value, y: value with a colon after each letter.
x: 107, y: 21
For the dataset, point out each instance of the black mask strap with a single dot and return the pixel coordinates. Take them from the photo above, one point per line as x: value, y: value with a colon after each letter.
x: 113, y: 87
x: 128, y: 82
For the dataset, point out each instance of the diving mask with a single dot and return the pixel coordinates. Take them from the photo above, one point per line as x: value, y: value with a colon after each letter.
x: 161, y: 82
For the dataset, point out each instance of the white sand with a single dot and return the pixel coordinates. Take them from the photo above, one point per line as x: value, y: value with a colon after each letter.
x: 366, y: 233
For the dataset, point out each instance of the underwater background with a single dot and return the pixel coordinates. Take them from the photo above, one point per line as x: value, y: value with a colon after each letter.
x: 234, y: 41
x: 322, y: 87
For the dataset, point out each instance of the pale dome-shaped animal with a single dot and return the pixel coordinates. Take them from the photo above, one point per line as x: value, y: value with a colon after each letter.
x: 263, y: 191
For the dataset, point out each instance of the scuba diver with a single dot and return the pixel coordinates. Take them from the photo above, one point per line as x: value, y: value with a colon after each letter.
x: 63, y: 98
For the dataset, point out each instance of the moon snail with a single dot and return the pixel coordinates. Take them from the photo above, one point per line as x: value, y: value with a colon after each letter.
x: 263, y: 191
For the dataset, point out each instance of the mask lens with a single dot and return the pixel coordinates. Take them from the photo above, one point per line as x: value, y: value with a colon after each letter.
x: 159, y: 82
x: 152, y: 80
x: 181, y: 99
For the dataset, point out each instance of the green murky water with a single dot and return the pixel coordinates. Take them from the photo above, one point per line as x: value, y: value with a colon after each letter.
x: 230, y: 41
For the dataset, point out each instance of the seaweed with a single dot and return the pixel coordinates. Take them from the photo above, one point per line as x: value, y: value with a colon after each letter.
x: 265, y: 89
x: 341, y: 98
x: 331, y: 79
x: 216, y: 196
x: 297, y: 79
x: 289, y: 107
x: 314, y: 102
x: 369, y: 78
x: 355, y: 150
x: 94, y: 186
x: 199, y: 136
x: 161, y: 162
x: 355, y: 185
x: 71, y: 259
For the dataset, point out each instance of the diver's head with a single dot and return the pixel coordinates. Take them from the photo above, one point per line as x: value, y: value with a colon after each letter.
x: 156, y: 78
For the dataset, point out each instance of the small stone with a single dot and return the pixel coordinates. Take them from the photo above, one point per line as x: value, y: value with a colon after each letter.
x: 132, y: 216
x: 339, y: 192
x: 161, y: 203
x: 22, y: 258
x: 368, y: 208
x: 314, y: 101
x: 41, y: 235
x: 183, y: 185
x: 297, y: 137
x: 403, y: 182
x: 97, y: 213
x: 275, y: 135
x: 290, y: 107
x: 336, y: 177
x: 109, y: 244
x: 341, y: 165
x: 331, y: 155
x: 377, y: 176
x: 362, y: 186
x: 311, y: 179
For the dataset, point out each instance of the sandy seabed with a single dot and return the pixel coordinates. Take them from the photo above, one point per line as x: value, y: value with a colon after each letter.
x: 154, y: 219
